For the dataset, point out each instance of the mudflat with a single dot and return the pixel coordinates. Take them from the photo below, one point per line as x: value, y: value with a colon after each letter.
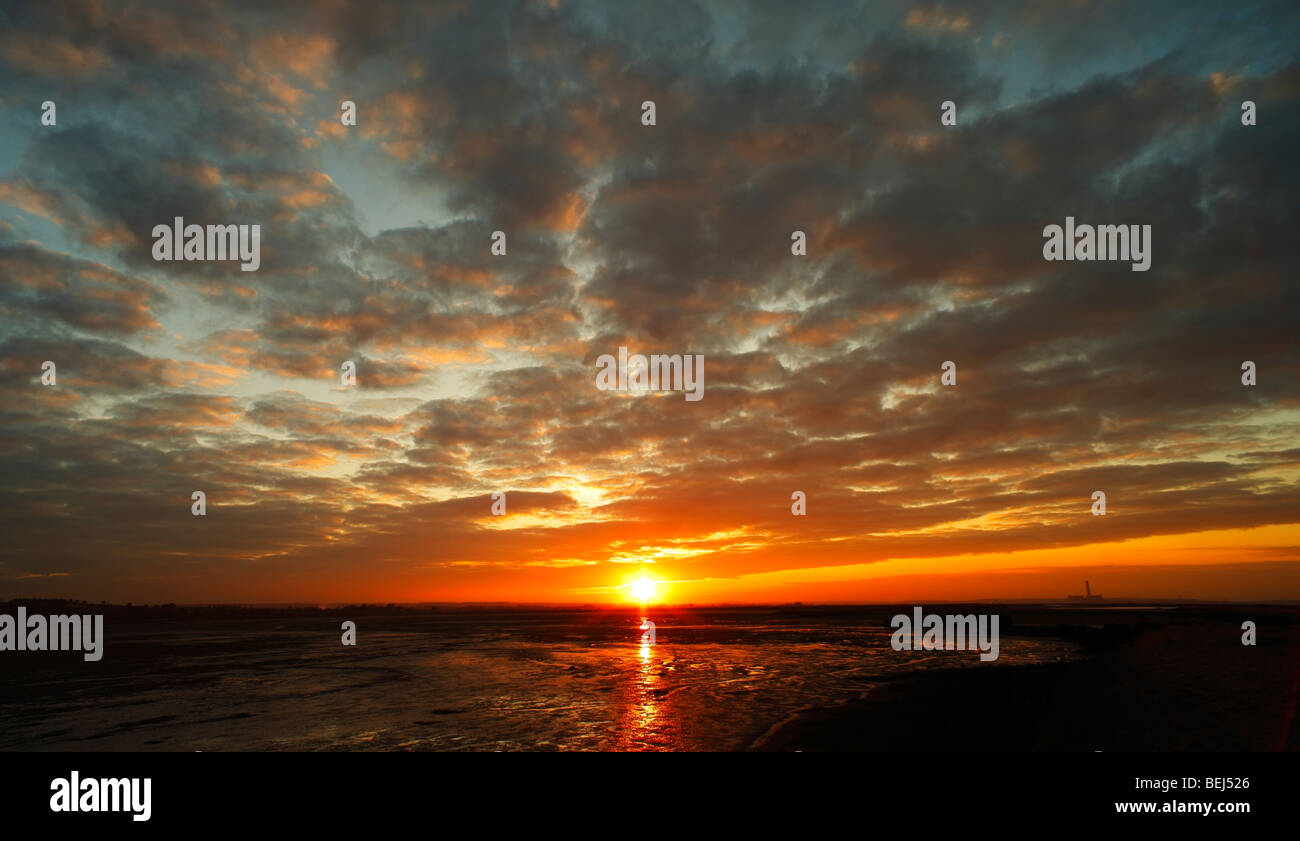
x: 1182, y: 684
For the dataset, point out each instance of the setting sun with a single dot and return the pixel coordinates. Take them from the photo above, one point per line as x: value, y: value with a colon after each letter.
x: 643, y: 590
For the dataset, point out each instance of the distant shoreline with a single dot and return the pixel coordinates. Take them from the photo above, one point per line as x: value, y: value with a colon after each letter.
x: 174, y: 609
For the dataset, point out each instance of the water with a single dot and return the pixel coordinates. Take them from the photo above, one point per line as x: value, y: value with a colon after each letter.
x: 716, y: 679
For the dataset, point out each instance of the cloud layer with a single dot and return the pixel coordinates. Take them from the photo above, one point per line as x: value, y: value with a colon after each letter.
x: 475, y: 372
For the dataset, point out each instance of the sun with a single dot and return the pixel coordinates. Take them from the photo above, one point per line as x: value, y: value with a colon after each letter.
x: 643, y: 590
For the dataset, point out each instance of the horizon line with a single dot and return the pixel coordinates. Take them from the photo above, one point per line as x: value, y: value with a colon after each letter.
x: 1067, y: 601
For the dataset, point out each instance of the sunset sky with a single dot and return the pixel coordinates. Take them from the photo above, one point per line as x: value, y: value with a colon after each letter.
x: 476, y: 373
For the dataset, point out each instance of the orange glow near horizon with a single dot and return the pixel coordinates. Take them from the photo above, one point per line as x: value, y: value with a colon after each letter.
x: 1221, y: 564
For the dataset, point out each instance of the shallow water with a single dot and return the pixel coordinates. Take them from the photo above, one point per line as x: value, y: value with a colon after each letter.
x: 715, y: 679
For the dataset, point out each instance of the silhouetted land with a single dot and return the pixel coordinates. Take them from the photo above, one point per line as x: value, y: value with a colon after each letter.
x: 1176, y: 679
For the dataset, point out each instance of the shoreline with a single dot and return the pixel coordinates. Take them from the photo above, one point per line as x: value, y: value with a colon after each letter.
x: 1174, y: 687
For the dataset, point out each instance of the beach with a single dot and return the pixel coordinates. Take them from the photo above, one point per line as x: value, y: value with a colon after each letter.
x: 715, y: 679
x: 1159, y: 681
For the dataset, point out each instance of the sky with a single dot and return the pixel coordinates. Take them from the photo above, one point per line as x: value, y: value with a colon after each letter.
x: 476, y: 372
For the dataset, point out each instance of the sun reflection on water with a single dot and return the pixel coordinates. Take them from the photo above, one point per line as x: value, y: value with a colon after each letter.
x: 643, y: 723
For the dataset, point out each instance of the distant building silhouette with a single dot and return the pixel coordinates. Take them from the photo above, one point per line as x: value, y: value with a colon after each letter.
x: 1088, y: 595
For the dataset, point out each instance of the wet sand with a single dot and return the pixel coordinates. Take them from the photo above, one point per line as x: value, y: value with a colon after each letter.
x: 474, y: 678
x: 1071, y: 677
